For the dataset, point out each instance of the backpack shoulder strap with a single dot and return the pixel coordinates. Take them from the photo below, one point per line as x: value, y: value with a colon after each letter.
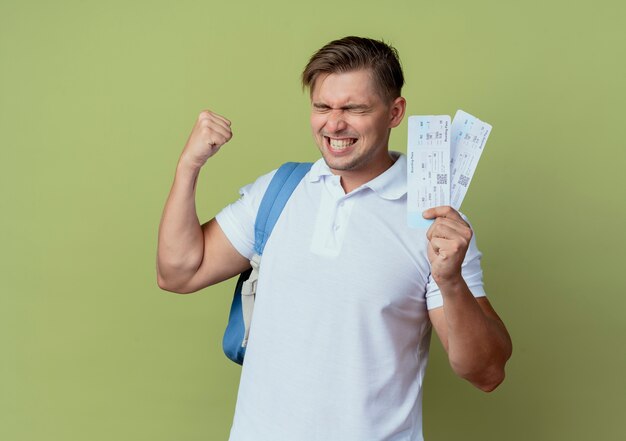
x: 284, y: 182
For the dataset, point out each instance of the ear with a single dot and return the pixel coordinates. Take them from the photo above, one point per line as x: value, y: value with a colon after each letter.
x: 396, y: 112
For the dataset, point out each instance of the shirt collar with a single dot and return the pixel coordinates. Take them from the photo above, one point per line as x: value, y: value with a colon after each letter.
x: 391, y: 184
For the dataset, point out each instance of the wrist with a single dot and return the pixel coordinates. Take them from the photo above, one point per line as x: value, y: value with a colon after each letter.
x: 450, y: 284
x: 188, y: 166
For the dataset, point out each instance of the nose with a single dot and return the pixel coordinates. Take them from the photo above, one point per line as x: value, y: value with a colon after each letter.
x: 335, y: 122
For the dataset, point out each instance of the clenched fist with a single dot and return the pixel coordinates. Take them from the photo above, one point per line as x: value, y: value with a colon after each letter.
x: 210, y: 132
x: 448, y: 237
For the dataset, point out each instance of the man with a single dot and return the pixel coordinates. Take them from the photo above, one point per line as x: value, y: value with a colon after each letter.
x: 347, y: 294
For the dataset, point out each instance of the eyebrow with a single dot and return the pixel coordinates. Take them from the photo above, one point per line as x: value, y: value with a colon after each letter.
x: 346, y: 107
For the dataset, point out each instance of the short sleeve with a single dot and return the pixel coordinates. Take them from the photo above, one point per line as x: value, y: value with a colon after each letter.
x: 471, y: 271
x: 237, y: 219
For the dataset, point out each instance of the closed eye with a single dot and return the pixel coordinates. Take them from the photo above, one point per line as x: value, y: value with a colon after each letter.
x: 352, y: 108
x: 321, y: 107
x: 357, y: 109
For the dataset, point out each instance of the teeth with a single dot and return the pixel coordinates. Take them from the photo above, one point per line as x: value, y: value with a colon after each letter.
x: 340, y: 143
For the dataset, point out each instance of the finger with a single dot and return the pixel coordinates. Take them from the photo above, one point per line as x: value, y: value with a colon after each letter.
x: 456, y: 223
x: 212, y: 124
x: 444, y: 248
x: 434, y: 245
x: 208, y: 114
x: 461, y: 227
x: 221, y: 118
x: 442, y: 211
x: 438, y: 245
x: 451, y: 227
x: 219, y: 136
x: 443, y: 231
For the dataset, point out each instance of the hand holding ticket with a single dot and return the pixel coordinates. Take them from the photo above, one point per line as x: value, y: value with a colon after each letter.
x: 442, y: 159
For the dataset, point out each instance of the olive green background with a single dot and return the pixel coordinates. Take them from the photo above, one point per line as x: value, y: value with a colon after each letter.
x: 96, y: 102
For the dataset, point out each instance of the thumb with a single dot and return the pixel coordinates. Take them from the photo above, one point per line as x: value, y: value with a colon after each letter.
x: 429, y: 214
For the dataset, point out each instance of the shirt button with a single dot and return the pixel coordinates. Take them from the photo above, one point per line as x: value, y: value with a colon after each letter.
x: 342, y: 203
x: 336, y: 227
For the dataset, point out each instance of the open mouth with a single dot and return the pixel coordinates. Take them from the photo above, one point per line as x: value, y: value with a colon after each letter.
x: 340, y: 144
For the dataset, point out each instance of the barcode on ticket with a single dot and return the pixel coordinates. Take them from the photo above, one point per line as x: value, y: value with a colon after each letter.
x: 464, y: 180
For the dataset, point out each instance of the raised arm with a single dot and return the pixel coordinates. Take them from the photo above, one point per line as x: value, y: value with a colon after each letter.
x: 191, y: 256
x: 476, y: 340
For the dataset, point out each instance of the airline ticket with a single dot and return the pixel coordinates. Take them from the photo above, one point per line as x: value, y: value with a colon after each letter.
x: 428, y: 166
x: 441, y: 160
x: 469, y: 136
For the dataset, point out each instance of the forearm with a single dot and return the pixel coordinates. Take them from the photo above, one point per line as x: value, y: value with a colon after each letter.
x: 180, y: 240
x: 478, y: 343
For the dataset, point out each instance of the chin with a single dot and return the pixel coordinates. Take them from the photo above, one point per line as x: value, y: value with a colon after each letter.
x: 344, y: 164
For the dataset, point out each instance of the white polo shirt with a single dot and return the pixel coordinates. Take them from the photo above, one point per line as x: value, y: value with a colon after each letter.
x: 340, y: 334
